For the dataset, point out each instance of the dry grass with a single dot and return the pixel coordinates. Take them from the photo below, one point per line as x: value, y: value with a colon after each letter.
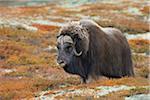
x: 45, y: 27
x: 129, y: 81
x: 23, y: 88
x: 27, y: 87
x: 146, y: 9
x: 139, y: 45
x: 125, y: 93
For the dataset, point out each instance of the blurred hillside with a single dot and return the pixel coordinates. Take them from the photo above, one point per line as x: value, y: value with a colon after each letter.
x: 44, y: 2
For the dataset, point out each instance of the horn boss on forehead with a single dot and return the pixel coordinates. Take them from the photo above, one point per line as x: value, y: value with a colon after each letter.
x: 63, y: 39
x: 79, y: 35
x: 67, y: 39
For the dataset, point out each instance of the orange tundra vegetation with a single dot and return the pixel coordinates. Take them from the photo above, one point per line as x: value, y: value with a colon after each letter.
x: 139, y: 45
x: 45, y: 27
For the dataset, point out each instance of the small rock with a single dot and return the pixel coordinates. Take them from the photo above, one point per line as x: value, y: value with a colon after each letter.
x: 2, y: 57
x: 50, y: 49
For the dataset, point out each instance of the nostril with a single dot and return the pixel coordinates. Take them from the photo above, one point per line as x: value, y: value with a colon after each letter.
x: 61, y: 63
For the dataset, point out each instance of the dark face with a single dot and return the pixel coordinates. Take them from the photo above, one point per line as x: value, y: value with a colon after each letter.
x: 65, y: 53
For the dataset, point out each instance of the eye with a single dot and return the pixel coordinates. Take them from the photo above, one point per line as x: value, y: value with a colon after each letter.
x: 68, y: 48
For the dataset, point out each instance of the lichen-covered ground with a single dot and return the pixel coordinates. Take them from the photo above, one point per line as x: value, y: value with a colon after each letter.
x: 28, y: 68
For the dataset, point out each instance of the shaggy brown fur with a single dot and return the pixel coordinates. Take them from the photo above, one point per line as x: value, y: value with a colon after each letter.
x: 105, y: 51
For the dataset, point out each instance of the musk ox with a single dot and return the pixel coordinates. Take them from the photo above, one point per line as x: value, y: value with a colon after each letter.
x: 90, y: 51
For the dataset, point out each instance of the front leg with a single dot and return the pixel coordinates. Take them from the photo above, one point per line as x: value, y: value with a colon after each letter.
x: 82, y: 80
x: 86, y: 80
x: 89, y: 79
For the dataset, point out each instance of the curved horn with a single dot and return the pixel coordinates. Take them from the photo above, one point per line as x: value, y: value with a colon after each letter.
x: 67, y: 39
x: 76, y: 53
